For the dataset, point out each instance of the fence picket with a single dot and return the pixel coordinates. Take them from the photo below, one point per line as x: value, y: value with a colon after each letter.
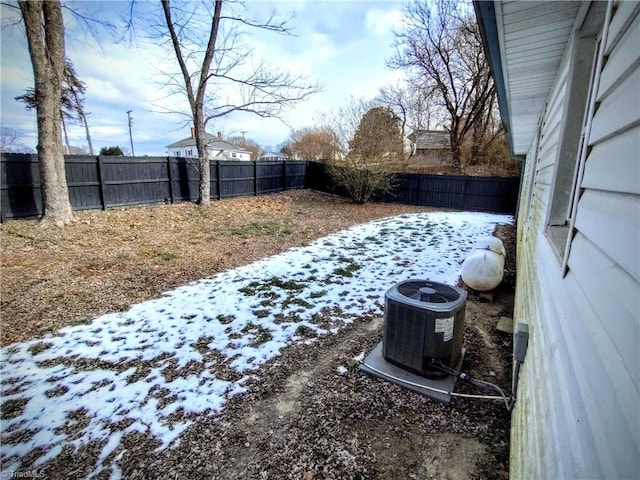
x: 170, y: 175
x: 218, y: 180
x: 103, y: 202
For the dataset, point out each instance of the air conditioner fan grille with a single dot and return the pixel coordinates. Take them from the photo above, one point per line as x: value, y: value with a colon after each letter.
x: 426, y: 291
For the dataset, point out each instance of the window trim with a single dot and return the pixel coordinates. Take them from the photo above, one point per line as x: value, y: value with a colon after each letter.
x: 601, y: 45
x: 582, y: 84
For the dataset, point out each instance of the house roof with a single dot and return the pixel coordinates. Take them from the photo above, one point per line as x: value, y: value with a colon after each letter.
x: 212, y: 142
x: 272, y: 154
x: 525, y: 42
x: 430, y: 139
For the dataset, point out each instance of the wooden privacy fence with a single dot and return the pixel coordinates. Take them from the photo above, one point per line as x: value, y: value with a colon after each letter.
x: 103, y: 182
x: 107, y: 181
x: 488, y: 194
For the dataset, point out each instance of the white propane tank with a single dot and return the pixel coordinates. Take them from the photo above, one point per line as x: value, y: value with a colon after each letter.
x: 491, y: 243
x: 483, y: 269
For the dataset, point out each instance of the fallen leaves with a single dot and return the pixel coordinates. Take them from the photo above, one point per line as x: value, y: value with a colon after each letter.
x: 107, y: 261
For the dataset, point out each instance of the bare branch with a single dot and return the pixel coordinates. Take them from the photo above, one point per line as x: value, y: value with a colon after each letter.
x: 217, y: 77
x: 90, y: 24
x: 178, y: 51
x: 280, y: 27
x: 128, y: 30
x: 442, y: 44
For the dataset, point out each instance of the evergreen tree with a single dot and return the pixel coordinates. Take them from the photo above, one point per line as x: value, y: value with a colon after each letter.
x: 115, y: 151
x: 378, y: 136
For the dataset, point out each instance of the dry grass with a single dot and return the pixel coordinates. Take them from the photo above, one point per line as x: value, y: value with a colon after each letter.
x: 299, y: 418
x: 506, y: 169
x: 107, y: 261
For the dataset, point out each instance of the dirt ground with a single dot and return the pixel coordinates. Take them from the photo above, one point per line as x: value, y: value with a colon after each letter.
x: 304, y: 418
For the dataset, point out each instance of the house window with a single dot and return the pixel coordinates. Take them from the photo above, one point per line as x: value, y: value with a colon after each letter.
x: 233, y: 155
x: 177, y: 153
x: 581, y: 88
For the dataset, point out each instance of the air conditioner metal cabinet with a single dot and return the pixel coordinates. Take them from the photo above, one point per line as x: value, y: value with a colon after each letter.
x: 419, y: 326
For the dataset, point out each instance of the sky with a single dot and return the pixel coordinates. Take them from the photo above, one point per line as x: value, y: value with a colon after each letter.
x: 215, y: 334
x: 342, y: 45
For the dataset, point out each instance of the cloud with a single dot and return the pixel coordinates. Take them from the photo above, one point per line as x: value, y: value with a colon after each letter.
x: 341, y: 44
x: 383, y: 22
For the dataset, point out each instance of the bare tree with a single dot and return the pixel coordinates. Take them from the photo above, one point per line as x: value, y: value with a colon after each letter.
x: 45, y: 35
x: 441, y: 44
x: 312, y: 143
x: 10, y: 141
x: 486, y: 143
x: 222, y: 61
x: 44, y: 27
x: 415, y: 104
x: 248, y: 144
x: 396, y: 97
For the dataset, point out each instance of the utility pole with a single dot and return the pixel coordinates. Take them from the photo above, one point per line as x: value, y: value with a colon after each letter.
x: 130, y: 136
x: 243, y: 132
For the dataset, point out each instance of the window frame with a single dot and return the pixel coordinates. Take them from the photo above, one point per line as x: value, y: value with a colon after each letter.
x: 584, y: 75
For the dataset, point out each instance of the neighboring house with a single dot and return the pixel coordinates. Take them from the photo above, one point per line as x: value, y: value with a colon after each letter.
x: 217, y: 148
x: 273, y: 156
x: 430, y: 146
x: 568, y: 82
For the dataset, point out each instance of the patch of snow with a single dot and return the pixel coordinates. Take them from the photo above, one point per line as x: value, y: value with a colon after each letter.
x: 146, y: 369
x: 341, y: 370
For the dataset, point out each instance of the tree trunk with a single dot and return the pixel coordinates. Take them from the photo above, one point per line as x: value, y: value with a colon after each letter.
x: 204, y: 190
x: 83, y: 117
x: 86, y: 128
x: 455, y: 140
x: 66, y: 135
x: 457, y: 154
x: 196, y: 96
x: 477, y: 141
x: 45, y: 35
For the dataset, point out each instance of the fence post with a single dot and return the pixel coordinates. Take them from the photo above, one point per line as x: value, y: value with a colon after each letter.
x: 465, y: 197
x: 419, y: 192
x: 2, y: 204
x: 218, y: 181
x: 170, y: 174
x: 284, y: 175
x: 101, y: 183
x: 255, y: 178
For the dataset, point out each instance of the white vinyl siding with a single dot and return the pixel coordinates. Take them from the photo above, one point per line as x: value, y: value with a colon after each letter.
x: 619, y: 111
x: 621, y: 175
x: 578, y: 415
x: 611, y: 221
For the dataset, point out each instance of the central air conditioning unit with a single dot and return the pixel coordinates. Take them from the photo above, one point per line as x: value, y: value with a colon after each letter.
x: 423, y: 321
